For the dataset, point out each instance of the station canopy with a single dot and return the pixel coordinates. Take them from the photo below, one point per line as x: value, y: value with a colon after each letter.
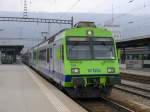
x: 11, y: 49
x: 134, y: 42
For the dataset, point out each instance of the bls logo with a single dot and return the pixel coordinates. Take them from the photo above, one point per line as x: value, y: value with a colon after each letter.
x: 94, y: 70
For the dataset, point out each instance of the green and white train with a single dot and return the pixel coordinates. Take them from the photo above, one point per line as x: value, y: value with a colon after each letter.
x: 82, y: 60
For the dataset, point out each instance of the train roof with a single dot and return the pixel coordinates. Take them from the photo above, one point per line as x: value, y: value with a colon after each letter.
x: 50, y: 38
x: 78, y: 32
x: 81, y: 24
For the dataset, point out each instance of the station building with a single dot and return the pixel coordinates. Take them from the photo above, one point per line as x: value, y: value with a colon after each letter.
x: 135, y: 52
x: 9, y: 52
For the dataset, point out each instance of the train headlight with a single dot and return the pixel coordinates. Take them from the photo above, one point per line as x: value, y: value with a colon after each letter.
x: 75, y: 70
x: 110, y: 70
x: 89, y: 32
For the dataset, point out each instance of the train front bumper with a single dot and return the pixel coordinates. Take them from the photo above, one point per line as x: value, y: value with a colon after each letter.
x: 93, y: 80
x: 91, y: 87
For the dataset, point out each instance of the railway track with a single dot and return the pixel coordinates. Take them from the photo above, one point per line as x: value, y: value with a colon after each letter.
x: 137, y: 78
x: 102, y: 105
x: 134, y: 90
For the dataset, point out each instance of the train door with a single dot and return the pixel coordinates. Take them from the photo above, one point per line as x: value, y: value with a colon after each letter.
x: 62, y: 59
x: 59, y: 58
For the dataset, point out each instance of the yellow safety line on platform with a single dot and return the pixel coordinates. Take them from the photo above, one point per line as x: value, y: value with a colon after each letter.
x: 51, y: 97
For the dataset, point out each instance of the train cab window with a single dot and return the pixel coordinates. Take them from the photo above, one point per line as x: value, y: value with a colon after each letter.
x: 103, y: 48
x: 48, y: 55
x: 78, y: 48
x: 94, y: 48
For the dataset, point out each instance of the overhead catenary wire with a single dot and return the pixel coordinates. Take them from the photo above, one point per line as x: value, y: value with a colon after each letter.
x: 135, y: 10
x: 137, y: 22
x: 54, y: 4
x: 131, y: 21
x: 70, y: 8
x: 74, y: 5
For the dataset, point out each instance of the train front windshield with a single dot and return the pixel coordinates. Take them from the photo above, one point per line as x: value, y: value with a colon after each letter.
x: 79, y: 48
x: 103, y: 48
x: 90, y: 48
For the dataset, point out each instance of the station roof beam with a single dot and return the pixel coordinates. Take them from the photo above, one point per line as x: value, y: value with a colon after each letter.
x: 134, y: 42
x: 38, y: 20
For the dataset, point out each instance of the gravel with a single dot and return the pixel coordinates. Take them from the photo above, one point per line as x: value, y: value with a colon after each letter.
x: 125, y: 98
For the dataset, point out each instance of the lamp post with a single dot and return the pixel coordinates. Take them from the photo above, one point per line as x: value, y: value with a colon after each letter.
x: 44, y: 35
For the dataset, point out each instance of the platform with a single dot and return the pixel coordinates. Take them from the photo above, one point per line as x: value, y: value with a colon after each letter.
x: 23, y: 90
x: 140, y: 72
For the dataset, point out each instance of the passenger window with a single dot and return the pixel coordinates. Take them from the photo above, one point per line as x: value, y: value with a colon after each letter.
x: 48, y: 57
x: 34, y: 55
x: 42, y: 55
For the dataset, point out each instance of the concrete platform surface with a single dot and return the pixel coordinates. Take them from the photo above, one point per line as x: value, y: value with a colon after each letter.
x: 23, y: 90
x: 142, y: 72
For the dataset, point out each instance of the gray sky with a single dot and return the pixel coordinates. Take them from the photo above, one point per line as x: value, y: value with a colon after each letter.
x: 136, y: 15
x: 93, y: 6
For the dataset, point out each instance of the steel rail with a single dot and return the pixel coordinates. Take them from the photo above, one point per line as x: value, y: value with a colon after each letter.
x: 136, y: 78
x: 134, y: 92
x: 107, y: 102
x: 116, y: 105
x: 138, y: 88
